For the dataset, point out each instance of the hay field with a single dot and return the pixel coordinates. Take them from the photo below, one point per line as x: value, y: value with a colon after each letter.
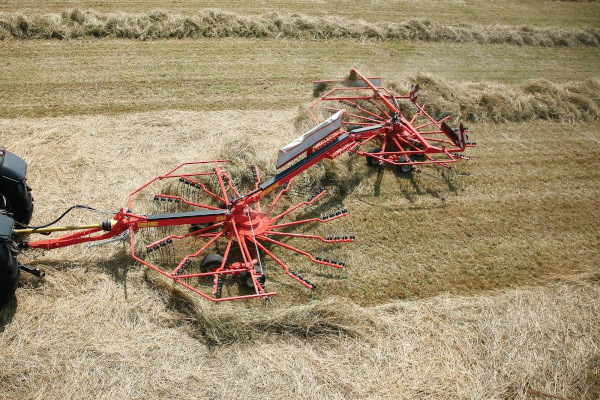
x: 481, y: 282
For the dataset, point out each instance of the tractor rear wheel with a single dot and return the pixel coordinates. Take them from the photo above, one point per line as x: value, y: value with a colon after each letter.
x: 17, y: 201
x: 9, y: 276
x: 9, y: 267
x: 15, y: 195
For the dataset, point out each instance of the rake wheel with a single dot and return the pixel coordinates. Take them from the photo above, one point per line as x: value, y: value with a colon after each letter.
x: 408, y: 135
x: 244, y: 236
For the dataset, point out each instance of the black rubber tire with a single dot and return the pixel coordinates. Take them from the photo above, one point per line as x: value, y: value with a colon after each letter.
x: 211, y: 262
x: 405, y: 169
x: 419, y: 157
x: 16, y: 200
x: 9, y: 273
x: 373, y: 162
x: 246, y: 281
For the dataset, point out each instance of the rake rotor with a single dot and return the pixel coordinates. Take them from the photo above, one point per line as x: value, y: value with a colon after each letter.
x: 244, y: 237
x: 389, y: 129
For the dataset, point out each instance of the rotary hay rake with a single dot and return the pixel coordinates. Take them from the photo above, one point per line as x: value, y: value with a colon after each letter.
x: 382, y: 121
x: 203, y: 233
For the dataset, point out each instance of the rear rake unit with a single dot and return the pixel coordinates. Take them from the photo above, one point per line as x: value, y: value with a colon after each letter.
x: 203, y: 233
x: 389, y: 129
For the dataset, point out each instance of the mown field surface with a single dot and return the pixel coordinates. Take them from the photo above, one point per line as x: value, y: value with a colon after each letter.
x: 480, y: 282
x: 49, y: 78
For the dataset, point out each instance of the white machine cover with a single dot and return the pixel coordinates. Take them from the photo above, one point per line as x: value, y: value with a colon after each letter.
x: 309, y: 139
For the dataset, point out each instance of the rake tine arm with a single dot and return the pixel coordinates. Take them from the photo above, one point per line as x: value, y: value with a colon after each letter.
x: 249, y: 296
x: 243, y: 249
x: 431, y: 122
x: 201, y: 235
x: 281, y: 192
x: 363, y: 118
x: 381, y: 97
x: 285, y: 268
x: 444, y: 141
x: 211, y: 273
x: 422, y: 108
x: 230, y: 184
x: 384, y: 142
x: 407, y: 158
x: 258, y: 288
x: 310, y: 256
x: 431, y: 132
x: 362, y: 109
x: 299, y: 235
x: 407, y: 143
x: 222, y: 267
x: 194, y: 233
x: 204, y: 189
x: 289, y: 210
x: 334, y: 110
x: 418, y: 114
x: 257, y: 181
x: 453, y: 157
x: 165, y: 196
x: 256, y: 174
x: 380, y: 109
x: 304, y: 221
x: 219, y: 173
x: 196, y: 254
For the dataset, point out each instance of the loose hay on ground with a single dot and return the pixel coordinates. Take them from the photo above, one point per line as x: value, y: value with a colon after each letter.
x: 90, y: 336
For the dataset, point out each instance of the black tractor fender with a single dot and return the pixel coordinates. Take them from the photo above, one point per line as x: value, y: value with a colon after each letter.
x: 13, y: 168
x: 13, y: 186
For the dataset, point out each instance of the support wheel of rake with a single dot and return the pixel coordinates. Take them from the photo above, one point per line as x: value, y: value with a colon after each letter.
x: 404, y: 169
x: 372, y: 161
x: 211, y: 262
x: 246, y: 280
x: 418, y: 157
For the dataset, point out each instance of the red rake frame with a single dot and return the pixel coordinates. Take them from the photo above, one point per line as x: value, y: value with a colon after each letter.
x: 240, y: 219
x: 373, y: 114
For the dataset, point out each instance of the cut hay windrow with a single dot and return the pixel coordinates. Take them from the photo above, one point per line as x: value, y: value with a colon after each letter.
x: 535, y: 99
x: 495, y: 102
x: 211, y: 23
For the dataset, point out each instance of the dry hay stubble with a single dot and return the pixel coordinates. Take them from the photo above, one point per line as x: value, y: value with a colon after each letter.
x: 544, y: 339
